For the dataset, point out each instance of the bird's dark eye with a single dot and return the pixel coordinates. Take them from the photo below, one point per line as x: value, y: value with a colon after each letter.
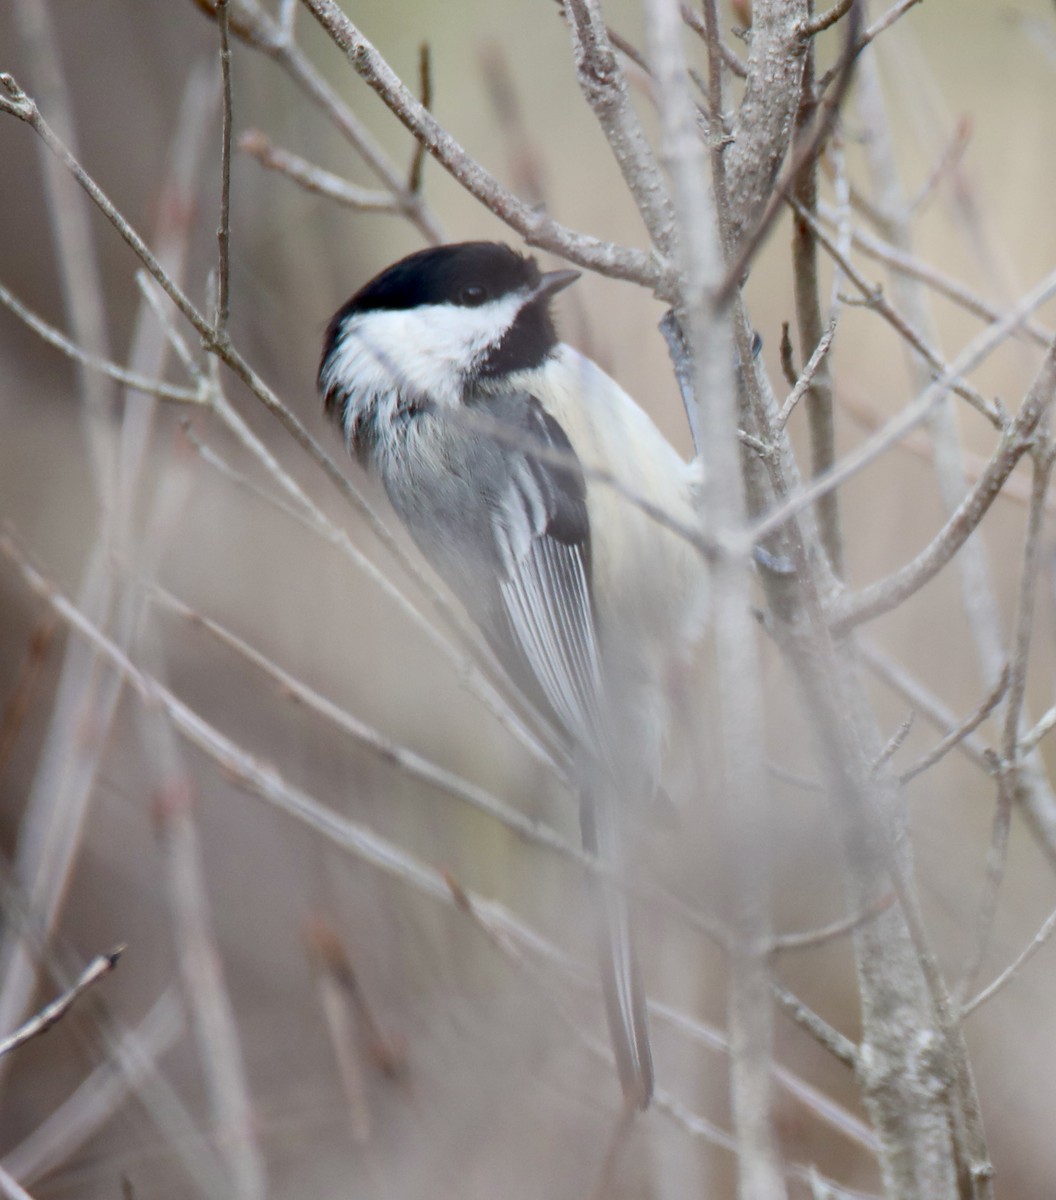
x: 472, y: 295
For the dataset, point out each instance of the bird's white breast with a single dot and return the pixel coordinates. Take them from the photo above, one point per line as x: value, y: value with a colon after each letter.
x: 651, y: 579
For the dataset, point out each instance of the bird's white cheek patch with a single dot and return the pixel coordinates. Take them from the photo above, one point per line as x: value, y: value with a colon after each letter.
x: 427, y: 351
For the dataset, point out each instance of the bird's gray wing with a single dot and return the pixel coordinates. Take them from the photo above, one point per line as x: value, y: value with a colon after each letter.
x: 542, y: 534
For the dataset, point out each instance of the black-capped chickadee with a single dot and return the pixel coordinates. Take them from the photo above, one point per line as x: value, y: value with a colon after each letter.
x: 498, y: 446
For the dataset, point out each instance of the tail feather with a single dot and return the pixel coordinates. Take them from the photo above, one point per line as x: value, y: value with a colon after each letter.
x: 625, y: 1002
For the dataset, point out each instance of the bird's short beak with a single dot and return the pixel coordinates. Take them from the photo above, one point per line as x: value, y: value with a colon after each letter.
x: 553, y: 282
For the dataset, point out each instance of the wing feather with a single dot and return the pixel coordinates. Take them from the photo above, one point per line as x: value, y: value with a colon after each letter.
x: 542, y: 532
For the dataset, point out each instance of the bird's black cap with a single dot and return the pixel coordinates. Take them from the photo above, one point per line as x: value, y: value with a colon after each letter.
x: 466, y: 273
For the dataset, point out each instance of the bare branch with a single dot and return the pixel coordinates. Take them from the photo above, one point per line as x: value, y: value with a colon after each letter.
x: 136, y: 383
x: 315, y: 179
x: 605, y: 89
x: 425, y: 83
x: 873, y: 297
x: 536, y: 228
x: 223, y: 233
x: 1007, y: 783
x: 851, y: 610
x: 878, y: 27
x: 97, y: 969
x: 275, y: 39
x: 915, y: 268
x: 1013, y: 969
x: 914, y: 413
x: 828, y: 18
x: 839, y: 1046
x: 821, y: 349
x: 959, y: 733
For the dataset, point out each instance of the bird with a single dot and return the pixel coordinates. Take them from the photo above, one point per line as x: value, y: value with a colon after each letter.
x: 519, y: 468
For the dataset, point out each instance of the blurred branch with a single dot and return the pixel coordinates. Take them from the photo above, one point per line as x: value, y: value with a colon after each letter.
x: 11, y: 1188
x: 209, y: 1000
x: 18, y: 704
x: 75, y: 743
x: 707, y: 334
x: 102, y: 1093
x: 136, y: 383
x: 52, y: 823
x: 315, y: 179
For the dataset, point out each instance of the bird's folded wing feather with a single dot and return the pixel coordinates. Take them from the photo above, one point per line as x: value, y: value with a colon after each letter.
x: 542, y: 533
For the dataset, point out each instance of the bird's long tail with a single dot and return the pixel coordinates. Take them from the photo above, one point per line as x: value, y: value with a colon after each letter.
x: 625, y: 1003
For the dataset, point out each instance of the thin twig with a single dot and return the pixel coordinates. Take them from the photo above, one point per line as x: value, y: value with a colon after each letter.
x: 316, y: 179
x: 813, y: 938
x: 223, y: 233
x: 959, y: 733
x: 425, y: 85
x: 910, y: 689
x: 275, y: 39
x: 946, y: 163
x: 894, y: 744
x: 839, y: 1046
x: 102, y: 1093
x: 97, y: 969
x: 136, y: 383
x: 954, y: 291
x: 913, y: 414
x: 1013, y: 969
x: 828, y: 18
x: 414, y: 765
x: 804, y: 380
x: 878, y: 27
x: 1009, y: 762
x: 872, y: 296
x: 881, y: 597
x: 1029, y: 741
x: 726, y: 56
